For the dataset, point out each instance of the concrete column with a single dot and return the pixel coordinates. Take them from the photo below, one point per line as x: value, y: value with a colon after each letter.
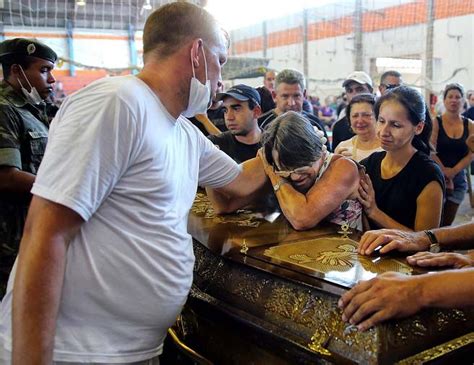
x: 70, y: 47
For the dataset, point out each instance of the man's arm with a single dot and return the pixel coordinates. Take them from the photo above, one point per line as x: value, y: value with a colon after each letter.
x: 442, y: 259
x: 449, y: 238
x: 207, y: 124
x: 13, y: 180
x: 241, y: 191
x: 393, y: 295
x: 39, y: 279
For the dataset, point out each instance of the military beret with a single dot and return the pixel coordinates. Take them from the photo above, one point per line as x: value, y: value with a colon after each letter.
x: 26, y: 47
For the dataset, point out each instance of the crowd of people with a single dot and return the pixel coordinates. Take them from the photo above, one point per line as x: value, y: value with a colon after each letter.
x: 104, y: 243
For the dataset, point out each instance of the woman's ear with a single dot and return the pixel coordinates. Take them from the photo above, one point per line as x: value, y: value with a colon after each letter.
x: 419, y: 127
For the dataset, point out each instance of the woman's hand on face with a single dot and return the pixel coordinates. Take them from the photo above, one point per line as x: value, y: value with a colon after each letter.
x: 367, y: 195
x: 266, y: 166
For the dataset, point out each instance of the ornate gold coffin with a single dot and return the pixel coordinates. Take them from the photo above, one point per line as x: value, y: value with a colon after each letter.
x: 266, y: 294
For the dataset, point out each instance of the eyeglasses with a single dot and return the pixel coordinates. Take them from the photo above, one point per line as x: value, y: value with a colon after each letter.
x: 287, y: 174
x: 362, y: 115
x: 390, y: 86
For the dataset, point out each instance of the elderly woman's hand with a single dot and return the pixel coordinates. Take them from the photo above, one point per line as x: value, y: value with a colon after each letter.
x: 343, y: 151
x: 367, y: 195
x: 266, y: 166
x: 320, y: 134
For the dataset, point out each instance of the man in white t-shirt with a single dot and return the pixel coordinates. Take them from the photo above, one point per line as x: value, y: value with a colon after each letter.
x: 106, y: 262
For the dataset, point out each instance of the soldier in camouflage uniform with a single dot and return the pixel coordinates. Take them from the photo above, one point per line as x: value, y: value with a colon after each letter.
x: 27, y: 66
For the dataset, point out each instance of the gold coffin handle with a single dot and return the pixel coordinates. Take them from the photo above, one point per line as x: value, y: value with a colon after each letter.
x: 201, y: 360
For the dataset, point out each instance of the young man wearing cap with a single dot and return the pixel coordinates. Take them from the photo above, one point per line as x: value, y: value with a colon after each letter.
x: 241, y: 111
x: 356, y: 83
x: 27, y: 66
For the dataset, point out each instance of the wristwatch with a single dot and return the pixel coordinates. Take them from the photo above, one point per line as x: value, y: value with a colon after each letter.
x: 278, y: 185
x: 434, y: 246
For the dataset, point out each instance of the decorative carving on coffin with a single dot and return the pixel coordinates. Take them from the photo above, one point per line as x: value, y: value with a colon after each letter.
x: 329, y: 254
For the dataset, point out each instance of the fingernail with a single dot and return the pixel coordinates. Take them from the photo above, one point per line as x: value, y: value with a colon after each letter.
x: 344, y: 318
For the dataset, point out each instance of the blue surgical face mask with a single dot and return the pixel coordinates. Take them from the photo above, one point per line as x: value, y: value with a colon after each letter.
x: 199, y: 93
x: 32, y: 96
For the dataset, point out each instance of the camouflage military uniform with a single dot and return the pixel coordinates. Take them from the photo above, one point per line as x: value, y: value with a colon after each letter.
x: 23, y: 137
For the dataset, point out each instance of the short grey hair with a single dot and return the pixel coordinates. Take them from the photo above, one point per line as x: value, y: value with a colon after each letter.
x: 291, y: 77
x: 295, y: 140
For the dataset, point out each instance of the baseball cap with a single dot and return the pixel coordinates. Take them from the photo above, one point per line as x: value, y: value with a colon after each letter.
x: 358, y: 76
x: 27, y: 47
x: 241, y: 92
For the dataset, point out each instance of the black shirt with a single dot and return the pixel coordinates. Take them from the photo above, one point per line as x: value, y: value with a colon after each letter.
x: 451, y: 150
x: 397, y: 196
x: 341, y: 131
x: 469, y: 113
x: 238, y: 151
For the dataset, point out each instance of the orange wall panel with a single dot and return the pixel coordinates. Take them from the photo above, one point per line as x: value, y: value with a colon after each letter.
x: 82, y: 78
x: 388, y: 18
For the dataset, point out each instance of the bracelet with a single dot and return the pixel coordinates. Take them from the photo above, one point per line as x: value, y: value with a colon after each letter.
x: 278, y: 185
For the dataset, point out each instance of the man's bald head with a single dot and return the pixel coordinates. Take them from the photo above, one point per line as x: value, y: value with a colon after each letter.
x: 171, y: 26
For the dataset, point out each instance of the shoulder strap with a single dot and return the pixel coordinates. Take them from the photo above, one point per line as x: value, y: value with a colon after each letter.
x: 327, y: 160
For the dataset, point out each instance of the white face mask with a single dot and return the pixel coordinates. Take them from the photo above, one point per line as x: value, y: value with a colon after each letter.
x: 32, y: 96
x: 199, y: 94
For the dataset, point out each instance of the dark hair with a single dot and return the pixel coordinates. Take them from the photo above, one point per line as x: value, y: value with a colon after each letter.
x: 188, y: 21
x: 10, y: 60
x: 358, y: 99
x: 388, y: 73
x: 251, y: 104
x: 295, y: 140
x: 453, y: 86
x: 417, y: 112
x: 267, y: 99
